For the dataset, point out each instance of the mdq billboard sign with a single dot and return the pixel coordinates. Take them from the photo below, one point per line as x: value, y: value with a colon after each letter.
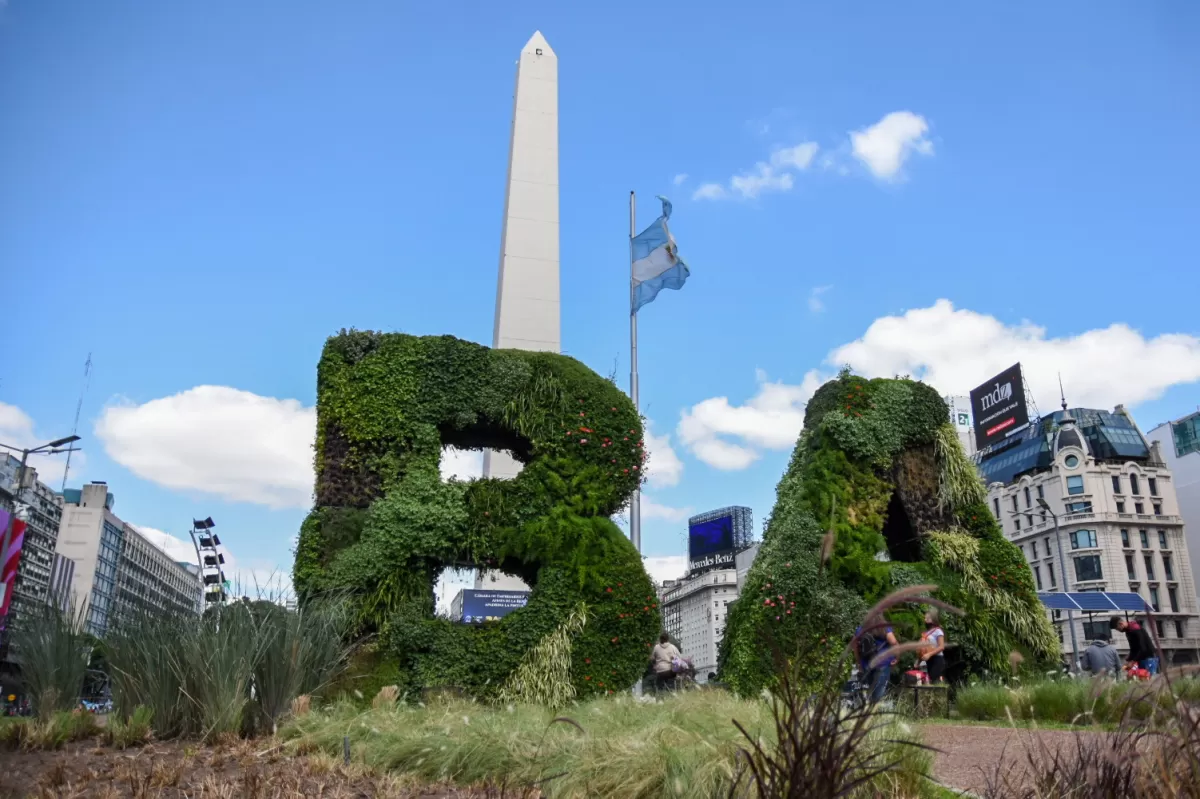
x: 999, y: 407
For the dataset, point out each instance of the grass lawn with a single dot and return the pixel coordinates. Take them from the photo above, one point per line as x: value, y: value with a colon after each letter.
x: 685, y: 746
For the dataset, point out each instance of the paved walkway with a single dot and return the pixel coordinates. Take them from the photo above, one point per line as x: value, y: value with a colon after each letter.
x: 970, y: 755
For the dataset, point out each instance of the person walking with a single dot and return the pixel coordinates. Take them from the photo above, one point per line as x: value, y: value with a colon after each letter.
x: 663, y: 658
x: 934, y: 655
x: 1141, y: 647
x: 866, y: 647
x: 1101, y: 659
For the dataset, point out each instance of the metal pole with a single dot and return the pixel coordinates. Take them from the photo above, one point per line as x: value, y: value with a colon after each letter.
x: 635, y: 506
x: 1062, y: 567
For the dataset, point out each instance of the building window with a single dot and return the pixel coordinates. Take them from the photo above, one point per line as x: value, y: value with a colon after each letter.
x: 1167, y: 570
x: 1153, y: 481
x: 1015, y: 506
x: 1071, y: 461
x: 1149, y: 559
x: 1037, y: 576
x: 1116, y: 478
x: 1162, y: 539
x: 1173, y: 598
x: 1120, y: 506
x: 1129, y: 567
x: 1133, y: 485
x: 1087, y: 567
x: 1050, y: 574
x: 1125, y: 538
x: 1028, y: 498
x: 1047, y: 543
x: 1079, y: 507
x: 1145, y: 539
x: 1159, y: 626
x: 1034, y: 545
x: 1017, y: 523
x: 1157, y: 509
x: 1096, y: 630
x: 1154, y: 598
x: 1138, y: 507
x: 1041, y: 493
x: 1028, y: 520
x: 1075, y: 484
x: 1180, y: 628
x: 1083, y: 539
x: 996, y: 506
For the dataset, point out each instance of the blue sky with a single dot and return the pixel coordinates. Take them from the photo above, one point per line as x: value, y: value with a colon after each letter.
x: 199, y: 193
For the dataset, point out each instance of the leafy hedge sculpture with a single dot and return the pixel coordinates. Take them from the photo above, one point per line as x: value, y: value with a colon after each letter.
x: 879, y: 462
x: 385, y: 523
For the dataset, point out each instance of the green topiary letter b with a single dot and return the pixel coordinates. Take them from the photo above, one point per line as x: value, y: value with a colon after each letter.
x: 385, y: 524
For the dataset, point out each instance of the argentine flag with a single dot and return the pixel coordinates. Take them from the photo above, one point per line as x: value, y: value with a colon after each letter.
x: 656, y: 262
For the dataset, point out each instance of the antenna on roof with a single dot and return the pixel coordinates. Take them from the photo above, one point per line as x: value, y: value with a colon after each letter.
x: 87, y: 380
x: 1062, y: 393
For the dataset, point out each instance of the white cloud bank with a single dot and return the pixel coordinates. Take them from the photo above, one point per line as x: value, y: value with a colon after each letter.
x: 954, y: 350
x: 773, y: 175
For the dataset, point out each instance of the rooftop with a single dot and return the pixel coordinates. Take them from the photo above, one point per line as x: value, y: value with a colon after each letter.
x: 1109, y: 436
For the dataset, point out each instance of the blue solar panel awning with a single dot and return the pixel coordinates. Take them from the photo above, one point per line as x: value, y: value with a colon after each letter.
x: 1095, y: 602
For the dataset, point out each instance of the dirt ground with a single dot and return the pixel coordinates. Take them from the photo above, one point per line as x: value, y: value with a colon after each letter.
x: 968, y: 755
x: 177, y: 770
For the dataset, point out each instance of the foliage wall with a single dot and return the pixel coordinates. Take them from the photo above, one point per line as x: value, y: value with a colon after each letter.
x: 880, y: 464
x: 385, y: 523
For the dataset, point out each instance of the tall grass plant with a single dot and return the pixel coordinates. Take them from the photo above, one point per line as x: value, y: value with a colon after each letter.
x: 54, y: 653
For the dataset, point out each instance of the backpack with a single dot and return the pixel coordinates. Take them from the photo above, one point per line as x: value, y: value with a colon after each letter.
x: 868, y: 648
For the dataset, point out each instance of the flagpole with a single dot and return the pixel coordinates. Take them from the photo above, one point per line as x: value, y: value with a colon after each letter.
x: 635, y: 506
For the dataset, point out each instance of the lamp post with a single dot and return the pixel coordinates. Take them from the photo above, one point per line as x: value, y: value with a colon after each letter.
x: 1062, y: 569
x: 49, y: 449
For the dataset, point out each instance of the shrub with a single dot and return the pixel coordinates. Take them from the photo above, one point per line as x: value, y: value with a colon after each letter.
x: 125, y: 733
x: 879, y: 468
x: 385, y: 524
x: 55, y: 653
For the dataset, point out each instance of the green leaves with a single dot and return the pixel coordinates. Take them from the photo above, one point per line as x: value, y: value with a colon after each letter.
x: 385, y: 524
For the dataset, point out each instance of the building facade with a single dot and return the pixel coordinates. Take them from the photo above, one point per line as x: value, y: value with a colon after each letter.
x: 118, y: 573
x: 1119, y: 525
x: 1179, y: 446
x: 38, y: 506
x: 695, y: 610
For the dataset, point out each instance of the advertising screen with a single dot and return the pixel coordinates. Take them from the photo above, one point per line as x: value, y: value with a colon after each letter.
x: 998, y: 407
x: 710, y: 544
x: 481, y: 606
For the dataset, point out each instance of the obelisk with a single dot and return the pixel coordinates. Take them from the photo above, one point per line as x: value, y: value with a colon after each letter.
x: 527, y: 296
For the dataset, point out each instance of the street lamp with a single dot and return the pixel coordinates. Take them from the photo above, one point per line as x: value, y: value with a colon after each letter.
x: 1062, y: 569
x: 51, y: 448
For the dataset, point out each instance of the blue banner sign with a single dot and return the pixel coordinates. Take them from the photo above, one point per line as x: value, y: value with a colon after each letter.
x: 480, y: 606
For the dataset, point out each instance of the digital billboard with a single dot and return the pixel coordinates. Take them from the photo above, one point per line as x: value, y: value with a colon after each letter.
x: 480, y: 606
x: 998, y: 407
x: 710, y: 544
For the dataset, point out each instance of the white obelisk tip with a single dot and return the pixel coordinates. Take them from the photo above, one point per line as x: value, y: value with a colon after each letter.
x: 538, y: 42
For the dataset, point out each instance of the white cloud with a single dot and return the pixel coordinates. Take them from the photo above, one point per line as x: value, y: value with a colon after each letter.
x: 17, y: 429
x: 653, y: 510
x: 666, y: 567
x: 232, y: 444
x: 771, y: 419
x: 953, y: 350
x: 766, y: 176
x: 679, y: 179
x: 815, y: 303
x: 798, y: 157
x: 957, y: 349
x: 217, y: 440
x: 177, y: 549
x: 886, y: 145
x: 663, y: 467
